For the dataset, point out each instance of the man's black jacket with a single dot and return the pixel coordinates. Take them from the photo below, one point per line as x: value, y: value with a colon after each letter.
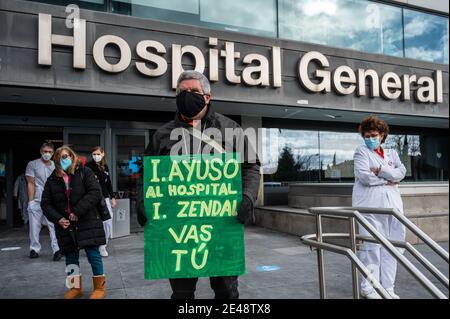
x: 161, y: 144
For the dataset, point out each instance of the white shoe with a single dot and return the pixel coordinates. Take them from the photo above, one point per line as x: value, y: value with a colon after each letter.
x: 103, y: 251
x: 373, y: 294
x: 392, y: 293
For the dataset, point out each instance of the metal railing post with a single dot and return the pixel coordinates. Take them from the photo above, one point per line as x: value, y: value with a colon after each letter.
x: 427, y: 264
x: 424, y: 237
x: 355, y: 214
x: 354, y: 268
x: 368, y: 276
x: 320, y: 263
x: 397, y: 255
x: 416, y: 254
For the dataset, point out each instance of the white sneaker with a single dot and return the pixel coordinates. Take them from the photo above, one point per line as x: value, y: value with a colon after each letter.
x: 373, y: 294
x: 103, y: 251
x: 392, y: 293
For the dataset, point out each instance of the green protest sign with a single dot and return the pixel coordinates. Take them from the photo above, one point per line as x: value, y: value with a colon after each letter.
x: 191, y: 202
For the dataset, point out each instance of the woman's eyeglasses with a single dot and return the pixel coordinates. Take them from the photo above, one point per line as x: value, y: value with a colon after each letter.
x: 65, y: 156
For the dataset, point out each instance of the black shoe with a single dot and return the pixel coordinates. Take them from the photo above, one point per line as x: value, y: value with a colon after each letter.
x: 34, y: 254
x: 57, y: 256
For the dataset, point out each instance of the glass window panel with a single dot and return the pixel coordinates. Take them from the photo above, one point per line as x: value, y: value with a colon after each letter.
x: 355, y: 24
x: 74, y: 1
x: 188, y: 6
x: 178, y: 11
x: 83, y: 144
x: 426, y: 36
x: 434, y: 164
x: 2, y: 164
x: 424, y: 156
x: 290, y: 155
x: 241, y: 15
x: 129, y: 150
x: 128, y: 156
x: 99, y: 5
x: 295, y: 155
x: 336, y: 154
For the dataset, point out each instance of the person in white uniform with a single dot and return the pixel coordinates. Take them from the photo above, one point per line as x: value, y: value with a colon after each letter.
x: 378, y: 172
x: 36, y: 174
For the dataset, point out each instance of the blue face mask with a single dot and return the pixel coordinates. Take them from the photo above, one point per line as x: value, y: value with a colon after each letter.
x: 66, y: 163
x: 372, y: 143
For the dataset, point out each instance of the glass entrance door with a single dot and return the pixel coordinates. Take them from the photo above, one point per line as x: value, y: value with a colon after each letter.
x: 128, y: 148
x: 83, y: 140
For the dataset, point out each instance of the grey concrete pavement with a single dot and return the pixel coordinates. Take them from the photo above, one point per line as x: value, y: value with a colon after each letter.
x: 290, y: 272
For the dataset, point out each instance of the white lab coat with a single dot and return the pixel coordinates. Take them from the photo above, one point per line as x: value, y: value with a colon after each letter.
x: 370, y: 190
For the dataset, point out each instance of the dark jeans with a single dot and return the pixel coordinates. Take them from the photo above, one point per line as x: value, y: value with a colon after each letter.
x: 93, y: 256
x: 224, y: 287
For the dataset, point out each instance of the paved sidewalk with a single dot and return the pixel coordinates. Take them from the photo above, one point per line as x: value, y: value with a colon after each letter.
x: 290, y: 270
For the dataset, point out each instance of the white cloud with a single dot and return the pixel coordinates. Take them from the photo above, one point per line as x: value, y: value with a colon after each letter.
x: 350, y: 25
x: 418, y: 26
x: 423, y: 53
x: 316, y: 7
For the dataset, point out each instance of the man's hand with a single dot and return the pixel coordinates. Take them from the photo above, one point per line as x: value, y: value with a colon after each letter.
x: 113, y: 202
x: 245, y: 214
x: 142, y: 219
x: 64, y: 223
x: 73, y: 217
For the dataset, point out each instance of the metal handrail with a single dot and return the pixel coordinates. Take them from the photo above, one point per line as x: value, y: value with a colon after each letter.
x: 355, y: 262
x: 401, y: 244
x: 388, y: 211
x: 354, y: 213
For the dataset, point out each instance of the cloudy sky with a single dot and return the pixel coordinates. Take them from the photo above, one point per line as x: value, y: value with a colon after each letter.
x: 357, y: 24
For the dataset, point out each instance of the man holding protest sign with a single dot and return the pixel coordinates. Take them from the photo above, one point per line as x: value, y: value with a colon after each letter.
x: 211, y: 185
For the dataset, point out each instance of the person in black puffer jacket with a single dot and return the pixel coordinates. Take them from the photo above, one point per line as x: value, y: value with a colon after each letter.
x: 70, y: 200
x: 100, y: 168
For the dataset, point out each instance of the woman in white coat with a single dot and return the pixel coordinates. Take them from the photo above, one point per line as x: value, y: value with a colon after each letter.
x: 378, y: 172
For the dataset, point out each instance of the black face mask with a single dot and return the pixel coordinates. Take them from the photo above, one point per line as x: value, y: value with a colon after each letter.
x: 190, y: 104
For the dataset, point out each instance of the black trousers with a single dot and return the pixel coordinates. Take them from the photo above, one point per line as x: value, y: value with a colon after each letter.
x: 224, y: 287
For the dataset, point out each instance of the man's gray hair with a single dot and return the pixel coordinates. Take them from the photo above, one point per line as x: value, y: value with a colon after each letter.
x: 195, y: 75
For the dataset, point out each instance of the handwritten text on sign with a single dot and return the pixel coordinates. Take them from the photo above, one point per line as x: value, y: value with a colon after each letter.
x: 191, y: 202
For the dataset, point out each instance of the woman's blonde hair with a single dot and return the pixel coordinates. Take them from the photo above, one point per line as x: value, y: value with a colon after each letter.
x: 57, y: 159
